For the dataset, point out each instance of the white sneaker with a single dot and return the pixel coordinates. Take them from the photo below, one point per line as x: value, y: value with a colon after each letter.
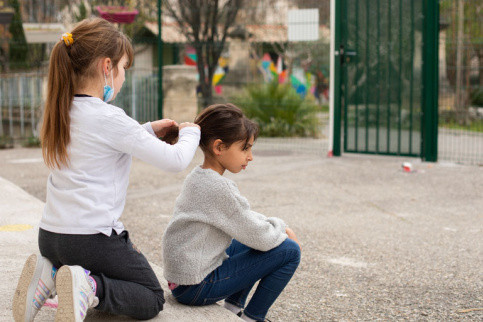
x: 75, y: 294
x: 35, y: 285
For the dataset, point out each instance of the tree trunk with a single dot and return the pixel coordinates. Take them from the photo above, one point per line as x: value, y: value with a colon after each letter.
x: 460, y: 93
x: 480, y: 64
x: 206, y: 97
x: 206, y: 94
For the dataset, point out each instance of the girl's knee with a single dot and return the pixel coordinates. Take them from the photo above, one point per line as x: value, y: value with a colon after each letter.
x: 152, y: 312
x: 292, y: 248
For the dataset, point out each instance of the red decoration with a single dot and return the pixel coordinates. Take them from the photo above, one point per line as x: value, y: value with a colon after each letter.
x: 117, y: 14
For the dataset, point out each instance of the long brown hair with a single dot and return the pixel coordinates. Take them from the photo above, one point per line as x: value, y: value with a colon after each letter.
x: 71, y: 67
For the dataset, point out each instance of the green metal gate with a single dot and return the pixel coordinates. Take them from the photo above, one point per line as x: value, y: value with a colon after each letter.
x: 385, y: 88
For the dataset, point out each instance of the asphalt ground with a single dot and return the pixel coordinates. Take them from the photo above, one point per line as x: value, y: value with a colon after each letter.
x: 378, y: 243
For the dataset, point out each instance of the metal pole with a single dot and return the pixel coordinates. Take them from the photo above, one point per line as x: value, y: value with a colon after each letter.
x: 430, y: 81
x: 160, y: 65
x: 133, y: 97
x: 334, y: 81
x: 20, y: 98
x: 1, y: 107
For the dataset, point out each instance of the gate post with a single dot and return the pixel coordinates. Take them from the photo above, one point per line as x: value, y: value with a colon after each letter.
x: 429, y: 149
x: 335, y: 70
x: 160, y: 63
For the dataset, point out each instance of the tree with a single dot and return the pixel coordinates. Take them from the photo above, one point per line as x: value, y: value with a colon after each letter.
x: 17, y: 43
x: 82, y: 12
x: 463, y: 33
x: 205, y: 24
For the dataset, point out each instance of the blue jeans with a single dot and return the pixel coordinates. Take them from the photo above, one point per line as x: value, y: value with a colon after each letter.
x: 233, y: 280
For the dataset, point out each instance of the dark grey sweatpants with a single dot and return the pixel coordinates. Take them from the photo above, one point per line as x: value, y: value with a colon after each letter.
x: 126, y: 283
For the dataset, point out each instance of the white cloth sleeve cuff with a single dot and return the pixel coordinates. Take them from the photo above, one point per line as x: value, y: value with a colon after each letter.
x: 149, y: 128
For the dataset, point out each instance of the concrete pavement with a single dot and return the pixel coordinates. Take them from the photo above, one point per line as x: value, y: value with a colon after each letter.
x: 19, y: 218
x: 378, y: 243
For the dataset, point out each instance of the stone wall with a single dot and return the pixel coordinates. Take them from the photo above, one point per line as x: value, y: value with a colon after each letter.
x: 180, y: 100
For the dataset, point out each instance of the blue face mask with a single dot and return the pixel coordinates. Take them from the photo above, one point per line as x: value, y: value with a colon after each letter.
x: 108, y: 91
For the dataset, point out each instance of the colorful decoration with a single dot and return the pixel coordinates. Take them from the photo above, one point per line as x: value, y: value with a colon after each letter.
x: 219, y: 75
x: 190, y: 57
x: 302, y: 81
x: 221, y: 70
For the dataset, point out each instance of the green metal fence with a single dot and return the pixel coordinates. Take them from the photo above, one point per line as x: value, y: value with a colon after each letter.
x: 22, y: 96
x: 381, y: 56
x: 20, y: 105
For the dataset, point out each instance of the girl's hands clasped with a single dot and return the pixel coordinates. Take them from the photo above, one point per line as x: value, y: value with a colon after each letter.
x: 162, y: 127
x: 292, y: 236
x: 188, y: 124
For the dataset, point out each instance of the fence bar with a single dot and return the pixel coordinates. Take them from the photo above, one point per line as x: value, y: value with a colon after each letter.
x: 378, y: 73
x: 345, y: 75
x: 133, y: 96
x: 368, y: 73
x: 411, y: 86
x: 356, y: 95
x: 389, y: 76
x: 20, y: 97
x: 10, y: 107
x: 399, y: 138
x: 1, y: 106
x: 32, y: 104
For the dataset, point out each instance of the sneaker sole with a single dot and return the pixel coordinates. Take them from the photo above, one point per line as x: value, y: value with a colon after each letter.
x: 22, y: 299
x: 66, y: 309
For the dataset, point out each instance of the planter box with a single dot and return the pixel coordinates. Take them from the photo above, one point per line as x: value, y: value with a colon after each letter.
x: 117, y: 14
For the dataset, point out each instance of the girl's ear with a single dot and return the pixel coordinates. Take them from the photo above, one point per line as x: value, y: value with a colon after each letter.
x: 217, y: 146
x: 106, y: 66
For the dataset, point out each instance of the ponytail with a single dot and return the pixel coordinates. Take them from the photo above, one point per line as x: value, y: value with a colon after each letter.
x: 171, y: 135
x: 55, y: 133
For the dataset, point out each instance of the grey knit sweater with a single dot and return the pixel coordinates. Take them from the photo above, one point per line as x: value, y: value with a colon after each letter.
x: 208, y: 214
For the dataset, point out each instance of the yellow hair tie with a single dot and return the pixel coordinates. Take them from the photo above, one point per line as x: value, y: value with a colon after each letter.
x: 67, y: 38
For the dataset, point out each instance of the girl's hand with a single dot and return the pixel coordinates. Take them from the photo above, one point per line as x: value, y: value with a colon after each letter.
x: 186, y: 124
x: 292, y: 236
x: 161, y: 127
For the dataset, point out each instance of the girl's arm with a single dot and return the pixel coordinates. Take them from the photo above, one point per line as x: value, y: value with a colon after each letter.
x: 235, y: 218
x: 126, y: 135
x: 167, y: 157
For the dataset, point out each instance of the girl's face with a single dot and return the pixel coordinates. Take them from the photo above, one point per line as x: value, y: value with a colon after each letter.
x: 236, y: 157
x: 120, y: 76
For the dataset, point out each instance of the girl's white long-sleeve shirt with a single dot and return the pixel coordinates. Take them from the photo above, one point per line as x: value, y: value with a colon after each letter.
x: 88, y: 195
x: 208, y: 214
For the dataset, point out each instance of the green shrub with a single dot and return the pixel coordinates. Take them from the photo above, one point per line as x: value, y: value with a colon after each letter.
x: 6, y: 142
x: 477, y: 97
x: 279, y: 111
x: 32, y: 142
